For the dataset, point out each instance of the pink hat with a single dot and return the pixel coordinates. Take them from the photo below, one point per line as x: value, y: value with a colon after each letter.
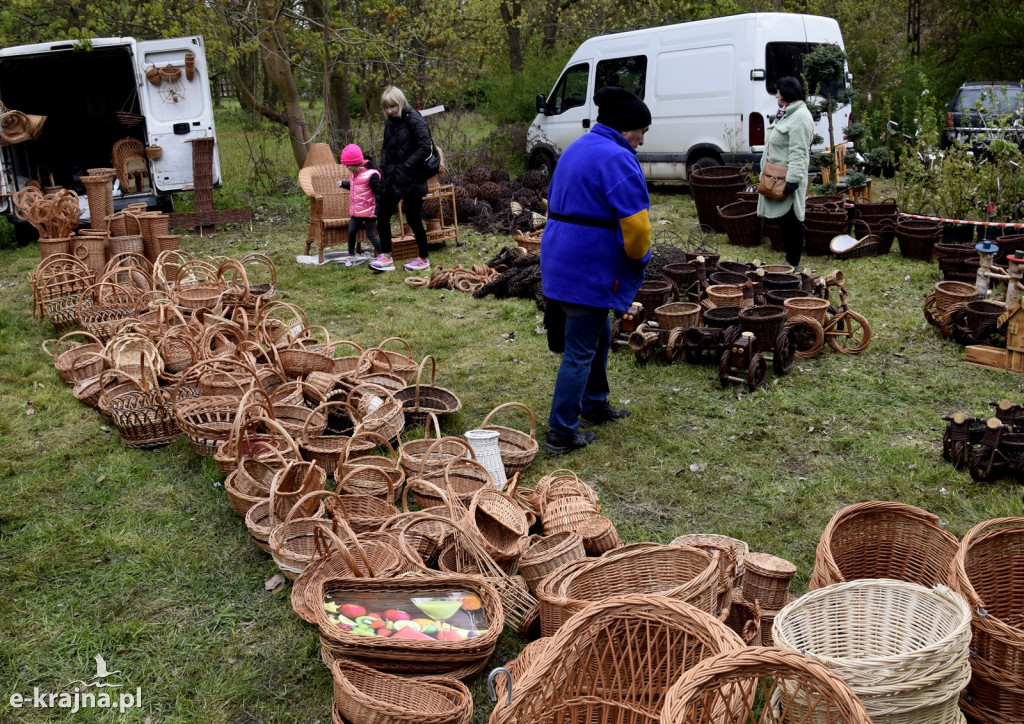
x: 352, y: 155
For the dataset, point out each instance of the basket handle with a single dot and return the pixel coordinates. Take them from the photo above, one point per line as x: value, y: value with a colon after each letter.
x: 533, y: 422
x: 75, y: 333
x: 237, y: 277
x: 419, y: 372
x: 408, y: 347
x: 421, y: 518
x: 372, y: 435
x: 375, y: 353
x: 323, y: 408
x: 256, y: 257
x: 472, y: 463
x: 438, y: 441
x: 270, y: 422
x: 298, y: 504
x: 358, y: 468
x: 322, y: 548
x: 110, y: 372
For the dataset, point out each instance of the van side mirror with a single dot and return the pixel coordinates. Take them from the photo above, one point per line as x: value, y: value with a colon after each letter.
x: 542, y: 104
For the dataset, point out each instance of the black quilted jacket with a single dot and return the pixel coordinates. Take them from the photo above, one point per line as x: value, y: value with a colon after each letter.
x: 406, y: 147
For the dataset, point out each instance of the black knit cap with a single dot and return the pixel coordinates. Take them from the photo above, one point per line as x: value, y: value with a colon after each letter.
x: 619, y: 109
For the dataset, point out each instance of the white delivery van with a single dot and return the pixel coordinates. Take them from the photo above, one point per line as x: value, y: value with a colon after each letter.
x: 710, y: 85
x: 95, y: 93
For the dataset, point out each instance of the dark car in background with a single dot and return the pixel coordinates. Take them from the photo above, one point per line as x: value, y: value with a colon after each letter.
x: 983, y: 111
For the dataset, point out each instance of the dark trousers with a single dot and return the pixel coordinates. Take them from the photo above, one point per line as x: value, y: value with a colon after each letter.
x: 412, y: 207
x: 370, y: 224
x: 792, y: 237
x: 582, y: 381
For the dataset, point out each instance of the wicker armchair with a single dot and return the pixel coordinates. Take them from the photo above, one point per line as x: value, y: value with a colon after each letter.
x: 328, y: 206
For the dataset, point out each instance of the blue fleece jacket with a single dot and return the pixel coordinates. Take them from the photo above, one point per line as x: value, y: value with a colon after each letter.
x: 597, y: 178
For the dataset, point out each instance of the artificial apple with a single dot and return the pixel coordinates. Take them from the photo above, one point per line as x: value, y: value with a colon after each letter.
x: 384, y: 632
x: 352, y: 610
x: 395, y: 615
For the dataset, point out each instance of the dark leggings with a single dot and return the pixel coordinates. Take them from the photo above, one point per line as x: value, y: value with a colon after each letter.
x: 412, y: 208
x: 792, y: 237
x: 370, y: 224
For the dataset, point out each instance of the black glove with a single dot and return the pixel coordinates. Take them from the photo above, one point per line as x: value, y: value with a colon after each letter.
x: 790, y: 187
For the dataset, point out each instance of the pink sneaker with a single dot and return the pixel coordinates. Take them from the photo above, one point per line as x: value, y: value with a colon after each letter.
x: 418, y: 265
x: 382, y: 263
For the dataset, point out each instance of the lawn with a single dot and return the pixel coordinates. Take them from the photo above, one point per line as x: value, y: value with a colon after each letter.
x: 137, y: 556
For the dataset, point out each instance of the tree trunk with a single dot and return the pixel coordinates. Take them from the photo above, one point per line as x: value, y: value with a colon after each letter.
x: 511, y: 15
x: 340, y: 96
x: 279, y: 70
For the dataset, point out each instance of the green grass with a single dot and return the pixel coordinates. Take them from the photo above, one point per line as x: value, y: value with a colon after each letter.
x: 138, y: 557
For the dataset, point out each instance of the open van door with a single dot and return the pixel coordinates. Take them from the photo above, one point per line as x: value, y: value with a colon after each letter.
x: 176, y: 111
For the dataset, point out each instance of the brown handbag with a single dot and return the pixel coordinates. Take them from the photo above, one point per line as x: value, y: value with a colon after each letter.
x: 773, y: 181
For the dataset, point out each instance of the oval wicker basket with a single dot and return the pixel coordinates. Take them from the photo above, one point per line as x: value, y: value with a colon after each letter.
x: 883, y: 539
x: 419, y: 400
x: 547, y: 553
x: 362, y: 694
x: 813, y: 307
x: 723, y: 295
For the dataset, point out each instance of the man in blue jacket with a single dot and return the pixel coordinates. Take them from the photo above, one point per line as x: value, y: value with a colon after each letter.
x: 596, y: 245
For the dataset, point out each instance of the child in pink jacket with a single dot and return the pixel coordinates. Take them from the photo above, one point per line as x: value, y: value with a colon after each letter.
x: 364, y: 188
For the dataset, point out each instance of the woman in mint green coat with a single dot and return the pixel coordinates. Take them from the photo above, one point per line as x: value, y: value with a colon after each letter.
x: 789, y: 145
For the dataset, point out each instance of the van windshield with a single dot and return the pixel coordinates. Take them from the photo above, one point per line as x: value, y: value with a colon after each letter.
x: 782, y: 59
x: 571, y: 90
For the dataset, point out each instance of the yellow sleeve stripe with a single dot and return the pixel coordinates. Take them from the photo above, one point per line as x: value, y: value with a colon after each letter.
x: 636, y: 234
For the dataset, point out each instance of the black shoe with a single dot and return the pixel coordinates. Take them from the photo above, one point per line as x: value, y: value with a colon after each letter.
x: 561, y: 444
x: 603, y: 414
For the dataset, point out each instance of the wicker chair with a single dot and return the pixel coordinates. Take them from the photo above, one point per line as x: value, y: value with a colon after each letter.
x: 328, y: 206
x: 615, y: 661
x: 320, y: 154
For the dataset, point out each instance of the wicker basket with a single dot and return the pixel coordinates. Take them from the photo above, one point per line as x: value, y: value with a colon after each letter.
x: 741, y: 223
x: 518, y: 448
x: 883, y: 539
x: 916, y: 238
x: 679, y: 572
x: 654, y: 293
x: 766, y: 579
x: 678, y: 314
x: 737, y: 686
x: 988, y: 571
x: 547, y: 553
x: 599, y: 535
x: 423, y: 456
x: 368, y: 696
x: 723, y: 295
x: 948, y: 293
x: 614, y: 662
x: 813, y: 307
x: 76, y: 360
x: 715, y: 186
x: 170, y: 74
x: 901, y: 647
x: 411, y: 656
x: 419, y: 400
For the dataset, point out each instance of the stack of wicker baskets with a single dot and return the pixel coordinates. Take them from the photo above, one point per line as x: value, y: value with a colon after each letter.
x: 715, y: 186
x: 901, y: 647
x: 989, y: 572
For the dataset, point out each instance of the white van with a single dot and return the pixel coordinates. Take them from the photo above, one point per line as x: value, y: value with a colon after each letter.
x: 95, y: 93
x: 710, y: 85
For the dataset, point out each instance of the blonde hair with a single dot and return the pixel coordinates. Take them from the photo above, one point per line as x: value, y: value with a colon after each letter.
x: 392, y: 97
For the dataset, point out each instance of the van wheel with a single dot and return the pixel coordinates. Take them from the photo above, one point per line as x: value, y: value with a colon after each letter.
x: 703, y: 162
x: 542, y: 161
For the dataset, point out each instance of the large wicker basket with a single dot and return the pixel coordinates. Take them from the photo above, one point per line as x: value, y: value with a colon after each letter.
x: 901, y: 647
x: 883, y: 539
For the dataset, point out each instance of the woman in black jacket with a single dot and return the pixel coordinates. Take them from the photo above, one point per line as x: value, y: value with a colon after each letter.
x: 406, y: 147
